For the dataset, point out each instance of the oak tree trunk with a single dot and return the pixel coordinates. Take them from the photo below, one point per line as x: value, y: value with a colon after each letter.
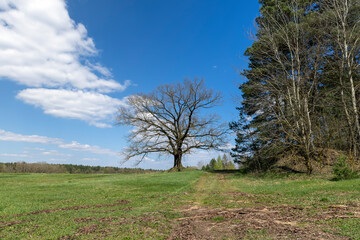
x: 177, y: 162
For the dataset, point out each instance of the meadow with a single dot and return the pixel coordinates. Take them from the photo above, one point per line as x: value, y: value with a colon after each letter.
x: 177, y: 205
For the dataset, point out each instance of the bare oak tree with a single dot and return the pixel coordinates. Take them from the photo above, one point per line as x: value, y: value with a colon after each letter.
x: 169, y: 120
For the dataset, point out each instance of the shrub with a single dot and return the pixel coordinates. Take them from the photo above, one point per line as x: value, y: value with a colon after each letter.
x: 342, y: 170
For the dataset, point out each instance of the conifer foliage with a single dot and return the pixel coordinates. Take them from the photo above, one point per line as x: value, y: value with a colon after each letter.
x: 302, y: 90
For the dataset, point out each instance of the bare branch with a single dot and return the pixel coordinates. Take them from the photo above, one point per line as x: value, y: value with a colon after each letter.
x: 169, y: 120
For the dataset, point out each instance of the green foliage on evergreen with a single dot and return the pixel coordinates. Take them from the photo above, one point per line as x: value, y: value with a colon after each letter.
x: 218, y: 164
x: 301, y: 93
x: 342, y: 170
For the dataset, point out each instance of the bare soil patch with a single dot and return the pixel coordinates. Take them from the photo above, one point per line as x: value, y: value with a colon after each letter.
x: 260, y: 221
x: 281, y: 222
x: 11, y: 223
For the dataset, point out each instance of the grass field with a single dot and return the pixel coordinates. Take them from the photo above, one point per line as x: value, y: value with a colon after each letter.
x: 184, y: 205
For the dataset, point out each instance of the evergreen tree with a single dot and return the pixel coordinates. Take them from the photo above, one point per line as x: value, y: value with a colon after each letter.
x: 218, y: 164
x: 212, y: 164
x: 300, y: 83
x: 227, y: 163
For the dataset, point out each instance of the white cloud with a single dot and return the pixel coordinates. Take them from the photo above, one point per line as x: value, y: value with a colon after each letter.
x: 14, y: 155
x: 35, y: 148
x: 55, y: 153
x: 92, y: 107
x: 100, y: 69
x: 90, y: 159
x: 149, y: 159
x: 74, y: 146
x: 42, y: 47
x: 13, y: 137
x: 227, y: 147
x: 57, y: 160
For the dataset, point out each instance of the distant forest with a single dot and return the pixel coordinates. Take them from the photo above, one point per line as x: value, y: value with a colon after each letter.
x: 300, y: 102
x: 22, y: 167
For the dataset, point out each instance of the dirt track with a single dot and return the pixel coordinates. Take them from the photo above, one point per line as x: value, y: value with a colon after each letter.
x: 279, y: 222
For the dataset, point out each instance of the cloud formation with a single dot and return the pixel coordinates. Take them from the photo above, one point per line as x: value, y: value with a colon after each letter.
x: 14, y: 137
x: 74, y: 146
x: 42, y: 47
x: 13, y: 155
x: 92, y: 107
x: 55, y: 153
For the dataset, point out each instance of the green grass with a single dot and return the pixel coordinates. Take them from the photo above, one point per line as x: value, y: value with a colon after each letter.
x: 299, y: 190
x: 218, y: 219
x: 257, y: 235
x: 315, y: 194
x: 154, y: 194
x: 155, y: 201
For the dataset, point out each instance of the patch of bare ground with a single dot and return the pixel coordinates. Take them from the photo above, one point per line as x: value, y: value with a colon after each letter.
x: 272, y: 222
x: 114, y: 210
x: 121, y: 220
x: 82, y: 231
x: 281, y: 222
x: 10, y: 223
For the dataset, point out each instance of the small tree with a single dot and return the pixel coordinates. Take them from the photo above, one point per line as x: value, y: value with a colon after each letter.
x: 169, y: 120
x: 219, y: 164
x: 342, y: 170
x: 227, y: 163
x: 212, y: 164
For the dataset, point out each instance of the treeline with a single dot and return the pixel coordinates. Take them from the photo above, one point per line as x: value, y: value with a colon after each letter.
x: 302, y: 93
x: 223, y: 163
x: 23, y: 167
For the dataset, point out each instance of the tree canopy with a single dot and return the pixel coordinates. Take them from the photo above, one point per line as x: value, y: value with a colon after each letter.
x: 301, y: 94
x: 170, y: 120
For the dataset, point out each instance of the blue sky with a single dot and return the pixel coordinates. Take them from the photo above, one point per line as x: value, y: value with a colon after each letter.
x: 65, y: 66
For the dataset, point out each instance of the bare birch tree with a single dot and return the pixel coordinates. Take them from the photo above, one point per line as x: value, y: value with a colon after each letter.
x: 290, y: 75
x: 345, y: 42
x: 302, y: 94
x: 169, y: 120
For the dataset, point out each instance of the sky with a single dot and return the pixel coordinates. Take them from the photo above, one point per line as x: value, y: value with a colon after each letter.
x: 66, y: 66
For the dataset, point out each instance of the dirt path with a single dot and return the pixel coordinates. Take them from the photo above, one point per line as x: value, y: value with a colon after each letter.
x: 201, y: 220
x: 210, y: 184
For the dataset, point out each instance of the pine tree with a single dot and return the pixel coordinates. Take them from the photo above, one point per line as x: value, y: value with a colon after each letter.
x: 299, y: 97
x: 218, y: 164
